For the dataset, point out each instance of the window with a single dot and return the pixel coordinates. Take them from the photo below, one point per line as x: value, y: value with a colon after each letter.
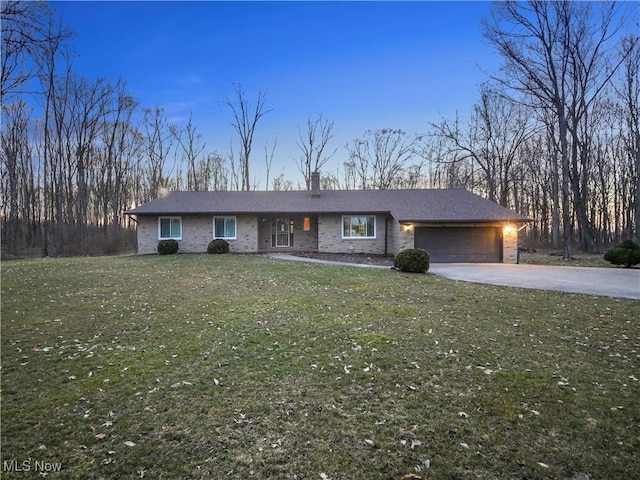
x: 170, y: 228
x: 224, y: 227
x: 358, y: 227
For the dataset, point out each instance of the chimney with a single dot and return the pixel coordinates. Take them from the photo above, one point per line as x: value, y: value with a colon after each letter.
x: 315, y: 184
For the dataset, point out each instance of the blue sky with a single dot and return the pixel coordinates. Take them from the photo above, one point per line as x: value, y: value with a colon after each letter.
x: 362, y: 65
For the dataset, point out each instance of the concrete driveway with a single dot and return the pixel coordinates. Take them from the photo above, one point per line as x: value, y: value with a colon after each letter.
x: 608, y: 282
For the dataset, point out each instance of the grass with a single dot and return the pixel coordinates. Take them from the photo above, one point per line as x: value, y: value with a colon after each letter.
x: 224, y: 366
x: 554, y: 257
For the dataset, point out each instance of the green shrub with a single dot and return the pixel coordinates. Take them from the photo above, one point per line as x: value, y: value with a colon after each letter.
x: 218, y: 246
x: 627, y: 253
x: 167, y: 247
x: 413, y: 260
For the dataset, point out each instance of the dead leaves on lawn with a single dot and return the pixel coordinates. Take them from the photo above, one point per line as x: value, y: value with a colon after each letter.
x: 381, y: 374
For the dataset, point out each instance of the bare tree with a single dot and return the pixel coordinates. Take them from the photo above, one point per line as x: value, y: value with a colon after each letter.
x: 91, y: 105
x: 27, y: 34
x: 234, y: 169
x: 280, y: 183
x: 432, y: 148
x: 392, y: 153
x: 312, y: 145
x: 191, y: 149
x: 413, y: 176
x: 218, y: 172
x: 381, y: 157
x: 120, y: 143
x: 629, y: 94
x: 555, y: 55
x: 48, y: 58
x: 268, y: 160
x: 245, y: 121
x: 357, y: 168
x: 15, y: 170
x: 492, y: 138
x: 158, y: 144
x: 350, y: 175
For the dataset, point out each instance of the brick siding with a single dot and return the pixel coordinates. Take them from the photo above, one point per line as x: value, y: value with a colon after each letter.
x: 197, y: 232
x: 330, y: 237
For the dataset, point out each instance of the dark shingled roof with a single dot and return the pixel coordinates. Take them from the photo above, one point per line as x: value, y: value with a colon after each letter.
x: 446, y: 205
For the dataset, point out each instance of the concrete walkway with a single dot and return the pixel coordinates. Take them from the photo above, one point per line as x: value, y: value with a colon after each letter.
x: 607, y: 282
x: 295, y: 258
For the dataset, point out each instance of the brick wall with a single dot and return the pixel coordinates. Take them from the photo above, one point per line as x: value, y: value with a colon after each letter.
x: 147, y: 235
x: 247, y: 236
x: 400, y: 238
x: 330, y: 237
x: 509, y: 244
x: 197, y: 232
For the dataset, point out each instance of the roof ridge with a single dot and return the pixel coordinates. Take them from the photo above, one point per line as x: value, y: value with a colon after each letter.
x: 425, y: 205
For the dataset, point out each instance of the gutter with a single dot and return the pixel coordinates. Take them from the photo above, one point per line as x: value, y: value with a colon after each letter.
x: 471, y: 220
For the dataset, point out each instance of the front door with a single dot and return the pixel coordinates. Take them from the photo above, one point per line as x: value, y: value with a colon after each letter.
x: 282, y: 232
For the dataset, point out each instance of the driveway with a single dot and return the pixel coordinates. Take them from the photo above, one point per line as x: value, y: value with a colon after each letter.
x: 608, y: 282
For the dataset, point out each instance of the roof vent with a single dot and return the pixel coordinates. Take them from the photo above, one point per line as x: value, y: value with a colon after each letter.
x: 315, y: 184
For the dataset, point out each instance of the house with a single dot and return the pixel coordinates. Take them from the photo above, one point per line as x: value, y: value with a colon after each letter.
x: 453, y: 225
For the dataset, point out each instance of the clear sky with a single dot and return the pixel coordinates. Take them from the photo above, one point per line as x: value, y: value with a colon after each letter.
x: 362, y: 65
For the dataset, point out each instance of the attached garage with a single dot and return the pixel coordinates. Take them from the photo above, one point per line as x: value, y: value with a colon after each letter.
x: 461, y: 244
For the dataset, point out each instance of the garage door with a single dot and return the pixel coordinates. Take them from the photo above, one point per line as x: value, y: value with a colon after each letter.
x: 461, y: 244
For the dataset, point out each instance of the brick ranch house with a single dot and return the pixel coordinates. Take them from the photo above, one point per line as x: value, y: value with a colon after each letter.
x: 453, y: 225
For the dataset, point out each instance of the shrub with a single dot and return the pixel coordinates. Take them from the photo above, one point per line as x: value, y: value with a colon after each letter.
x: 627, y: 253
x: 218, y: 246
x: 167, y: 247
x: 413, y: 260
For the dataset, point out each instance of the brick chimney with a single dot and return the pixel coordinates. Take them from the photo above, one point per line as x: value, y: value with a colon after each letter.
x: 315, y: 184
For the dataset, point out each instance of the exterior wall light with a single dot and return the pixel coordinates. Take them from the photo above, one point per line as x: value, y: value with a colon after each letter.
x: 408, y: 227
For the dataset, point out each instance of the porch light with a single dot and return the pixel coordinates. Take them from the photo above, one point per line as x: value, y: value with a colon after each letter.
x: 508, y: 229
x: 408, y: 227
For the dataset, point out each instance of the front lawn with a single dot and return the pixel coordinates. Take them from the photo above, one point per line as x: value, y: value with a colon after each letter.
x: 231, y: 366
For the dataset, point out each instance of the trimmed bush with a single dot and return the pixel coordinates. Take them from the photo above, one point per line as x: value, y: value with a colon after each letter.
x: 413, y: 260
x: 627, y: 254
x: 167, y: 247
x: 218, y: 246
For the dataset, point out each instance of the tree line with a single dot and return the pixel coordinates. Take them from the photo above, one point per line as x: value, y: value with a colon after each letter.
x: 554, y: 135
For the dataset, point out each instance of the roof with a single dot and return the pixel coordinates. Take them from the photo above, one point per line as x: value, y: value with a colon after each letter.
x: 420, y: 205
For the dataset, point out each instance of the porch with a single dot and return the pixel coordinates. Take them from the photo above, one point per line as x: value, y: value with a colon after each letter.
x: 285, y: 234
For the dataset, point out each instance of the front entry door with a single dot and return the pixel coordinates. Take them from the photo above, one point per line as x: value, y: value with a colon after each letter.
x: 282, y: 232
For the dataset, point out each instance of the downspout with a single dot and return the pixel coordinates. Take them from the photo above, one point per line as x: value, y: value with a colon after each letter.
x: 386, y: 233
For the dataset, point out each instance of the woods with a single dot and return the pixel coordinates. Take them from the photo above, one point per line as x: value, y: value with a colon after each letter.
x: 554, y: 135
